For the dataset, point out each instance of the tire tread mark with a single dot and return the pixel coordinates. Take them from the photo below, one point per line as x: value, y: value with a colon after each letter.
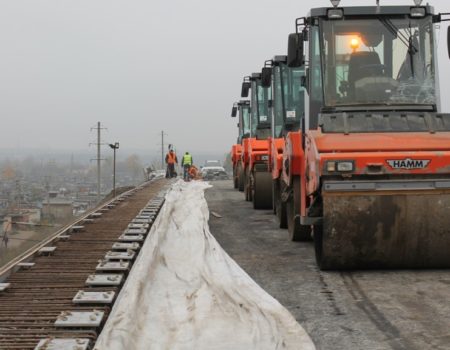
x: 396, y: 340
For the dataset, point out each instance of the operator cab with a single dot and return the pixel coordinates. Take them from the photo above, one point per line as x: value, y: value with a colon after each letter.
x: 387, y: 60
x: 242, y: 108
x: 288, y: 96
x: 244, y: 120
x: 368, y: 60
x: 260, y: 106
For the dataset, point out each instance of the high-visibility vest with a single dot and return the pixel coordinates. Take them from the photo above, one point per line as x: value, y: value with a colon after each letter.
x: 187, y: 159
x: 171, y: 156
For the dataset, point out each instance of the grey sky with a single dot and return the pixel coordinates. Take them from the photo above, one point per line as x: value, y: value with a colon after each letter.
x: 139, y: 67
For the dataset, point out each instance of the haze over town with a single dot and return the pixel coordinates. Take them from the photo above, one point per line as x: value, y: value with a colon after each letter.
x: 139, y: 68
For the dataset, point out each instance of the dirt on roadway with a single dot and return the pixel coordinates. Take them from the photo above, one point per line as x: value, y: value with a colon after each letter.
x: 399, y: 310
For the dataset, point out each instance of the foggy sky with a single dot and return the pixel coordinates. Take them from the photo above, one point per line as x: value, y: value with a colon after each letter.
x: 140, y: 67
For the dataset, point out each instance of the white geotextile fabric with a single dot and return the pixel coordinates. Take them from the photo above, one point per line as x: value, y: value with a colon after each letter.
x: 185, y: 292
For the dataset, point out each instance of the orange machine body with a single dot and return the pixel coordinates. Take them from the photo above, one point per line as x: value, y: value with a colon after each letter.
x: 374, y: 155
x: 236, y: 158
x: 276, y: 149
x: 236, y: 151
x: 245, y: 157
x: 293, y: 157
x: 257, y: 152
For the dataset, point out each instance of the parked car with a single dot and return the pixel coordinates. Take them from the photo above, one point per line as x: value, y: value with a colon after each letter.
x: 214, y: 173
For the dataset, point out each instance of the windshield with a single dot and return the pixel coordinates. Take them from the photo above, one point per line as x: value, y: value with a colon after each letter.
x: 244, y: 120
x: 386, y: 61
x: 289, y: 98
x: 260, y: 105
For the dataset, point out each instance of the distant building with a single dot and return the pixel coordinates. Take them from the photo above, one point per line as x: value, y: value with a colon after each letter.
x: 31, y: 215
x: 21, y: 216
x: 52, y: 194
x: 57, y: 208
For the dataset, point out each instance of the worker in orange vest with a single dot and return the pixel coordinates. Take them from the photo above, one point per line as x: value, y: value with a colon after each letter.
x: 171, y: 160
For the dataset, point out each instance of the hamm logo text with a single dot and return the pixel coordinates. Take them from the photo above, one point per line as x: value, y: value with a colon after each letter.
x: 408, y: 163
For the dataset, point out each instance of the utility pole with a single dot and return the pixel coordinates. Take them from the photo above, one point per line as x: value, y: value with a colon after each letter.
x: 99, y: 168
x: 98, y: 159
x: 162, y: 148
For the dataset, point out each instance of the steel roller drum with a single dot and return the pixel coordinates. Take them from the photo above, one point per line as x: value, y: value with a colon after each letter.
x: 389, y: 230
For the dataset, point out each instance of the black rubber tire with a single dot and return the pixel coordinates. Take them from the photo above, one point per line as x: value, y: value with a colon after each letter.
x: 274, y: 196
x: 235, y: 182
x: 297, y: 232
x: 247, y: 186
x: 240, y: 177
x: 280, y: 205
x: 262, y: 190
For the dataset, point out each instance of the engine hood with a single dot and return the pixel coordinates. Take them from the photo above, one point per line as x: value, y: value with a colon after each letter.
x: 376, y: 142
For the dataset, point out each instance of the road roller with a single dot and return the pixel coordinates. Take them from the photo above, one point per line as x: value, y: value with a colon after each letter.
x: 373, y: 149
x: 257, y: 178
x: 287, y: 112
x: 242, y: 110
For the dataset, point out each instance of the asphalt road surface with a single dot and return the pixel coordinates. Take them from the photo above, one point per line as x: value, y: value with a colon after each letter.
x: 399, y: 310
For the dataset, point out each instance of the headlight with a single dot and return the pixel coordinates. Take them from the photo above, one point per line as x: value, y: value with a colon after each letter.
x: 335, y: 13
x: 339, y: 166
x: 344, y: 166
x: 262, y: 157
x: 331, y: 167
x: 418, y: 12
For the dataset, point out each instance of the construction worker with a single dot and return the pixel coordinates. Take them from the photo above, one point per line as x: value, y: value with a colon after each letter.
x: 171, y: 160
x: 186, y: 164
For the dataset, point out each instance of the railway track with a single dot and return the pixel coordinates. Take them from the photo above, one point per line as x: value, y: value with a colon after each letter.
x: 59, y: 295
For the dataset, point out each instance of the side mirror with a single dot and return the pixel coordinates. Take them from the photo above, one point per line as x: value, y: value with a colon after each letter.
x: 234, y: 112
x: 295, y: 50
x: 266, y: 77
x: 245, y: 88
x: 448, y: 41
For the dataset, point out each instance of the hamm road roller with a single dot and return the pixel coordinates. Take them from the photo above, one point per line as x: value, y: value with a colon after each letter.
x: 287, y: 111
x: 241, y: 108
x: 257, y: 178
x: 374, y: 149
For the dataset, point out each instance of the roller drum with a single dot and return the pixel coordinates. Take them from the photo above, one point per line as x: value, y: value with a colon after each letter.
x: 396, y: 230
x: 262, y: 190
